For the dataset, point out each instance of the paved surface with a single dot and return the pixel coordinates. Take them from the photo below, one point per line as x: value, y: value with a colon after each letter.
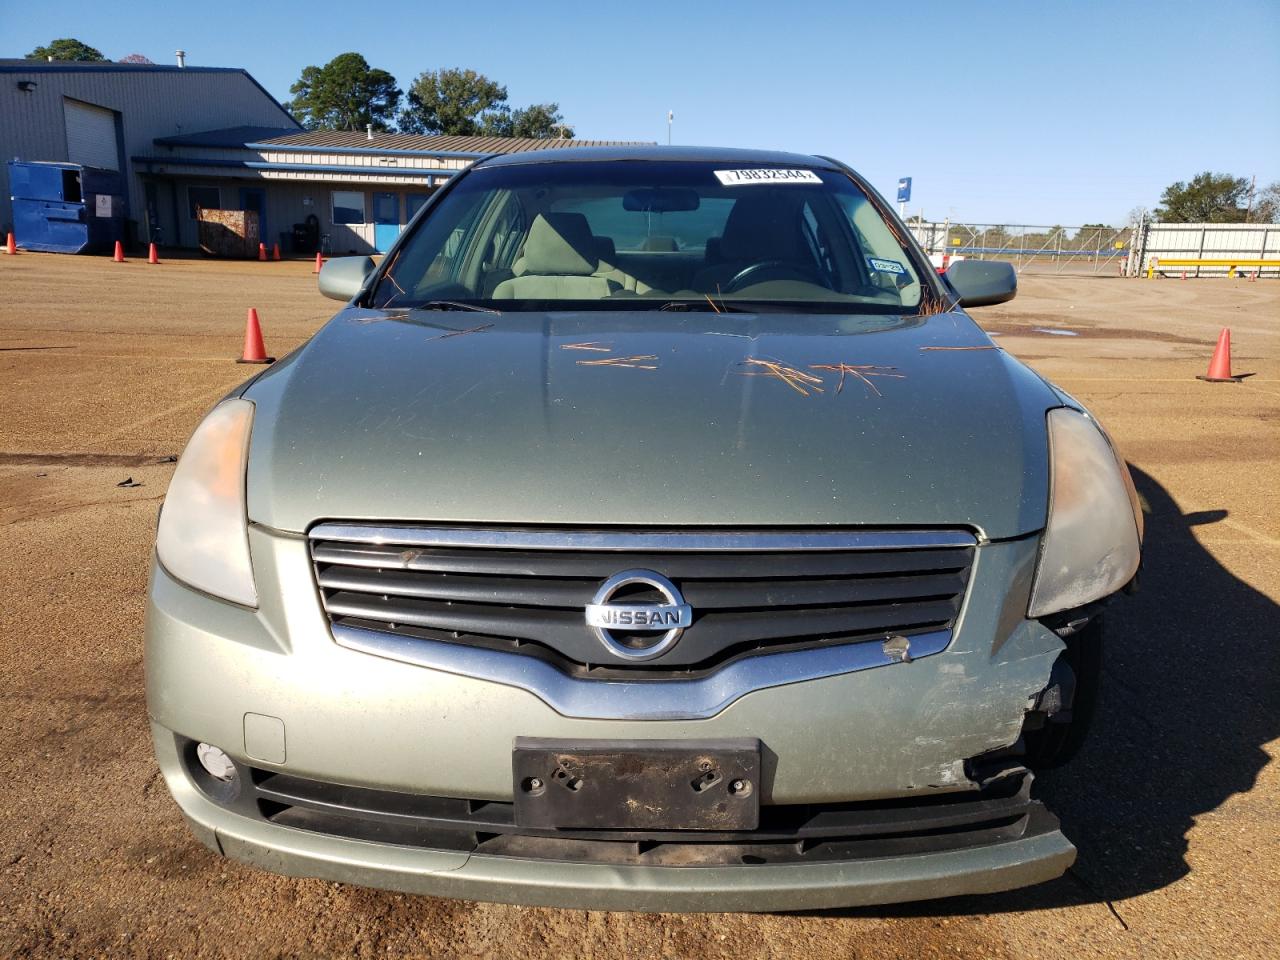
x: 106, y: 368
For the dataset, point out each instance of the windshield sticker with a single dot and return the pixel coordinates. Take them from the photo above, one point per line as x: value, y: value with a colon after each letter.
x: 885, y: 266
x: 738, y: 178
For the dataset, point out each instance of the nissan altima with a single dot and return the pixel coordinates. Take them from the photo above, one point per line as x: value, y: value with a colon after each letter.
x: 651, y: 529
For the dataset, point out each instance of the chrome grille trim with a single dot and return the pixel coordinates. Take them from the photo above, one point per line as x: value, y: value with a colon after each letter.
x: 582, y: 699
x: 643, y: 540
x: 511, y: 601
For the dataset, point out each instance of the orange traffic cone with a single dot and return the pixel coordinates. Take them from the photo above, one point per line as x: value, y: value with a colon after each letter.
x: 255, y: 351
x: 1220, y: 364
x: 319, y: 259
x: 11, y: 246
x: 152, y: 255
x: 262, y: 252
x: 1184, y: 274
x: 118, y: 256
x: 275, y: 251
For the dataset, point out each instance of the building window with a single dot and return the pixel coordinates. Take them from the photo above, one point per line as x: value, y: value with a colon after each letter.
x: 348, y: 206
x: 202, y: 198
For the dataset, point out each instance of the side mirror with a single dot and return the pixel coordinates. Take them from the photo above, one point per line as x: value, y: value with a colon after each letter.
x: 342, y: 278
x: 981, y: 283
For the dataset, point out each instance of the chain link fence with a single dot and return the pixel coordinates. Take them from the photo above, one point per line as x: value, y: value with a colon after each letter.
x: 1089, y: 249
x: 1094, y: 249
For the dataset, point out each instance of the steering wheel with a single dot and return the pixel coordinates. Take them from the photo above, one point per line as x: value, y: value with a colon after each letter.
x: 782, y: 270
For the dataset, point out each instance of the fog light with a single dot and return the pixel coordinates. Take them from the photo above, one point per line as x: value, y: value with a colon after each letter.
x: 217, y: 763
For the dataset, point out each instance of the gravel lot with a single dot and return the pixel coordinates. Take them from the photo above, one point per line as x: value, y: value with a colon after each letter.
x: 104, y: 371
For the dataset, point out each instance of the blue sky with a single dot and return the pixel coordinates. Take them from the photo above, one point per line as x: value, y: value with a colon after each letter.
x: 1027, y: 112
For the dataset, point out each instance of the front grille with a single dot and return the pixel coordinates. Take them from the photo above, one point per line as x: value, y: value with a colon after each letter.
x: 525, y: 591
x: 799, y: 833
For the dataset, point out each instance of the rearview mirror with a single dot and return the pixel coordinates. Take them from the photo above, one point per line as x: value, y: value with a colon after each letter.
x: 342, y: 278
x: 980, y: 283
x: 660, y: 199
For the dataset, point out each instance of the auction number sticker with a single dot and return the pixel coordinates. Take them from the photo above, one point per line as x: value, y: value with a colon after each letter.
x: 885, y: 266
x: 739, y: 178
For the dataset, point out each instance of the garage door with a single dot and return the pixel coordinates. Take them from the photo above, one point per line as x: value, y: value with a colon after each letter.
x: 91, y: 135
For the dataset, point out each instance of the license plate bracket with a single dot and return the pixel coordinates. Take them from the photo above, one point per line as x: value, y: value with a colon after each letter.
x: 637, y: 784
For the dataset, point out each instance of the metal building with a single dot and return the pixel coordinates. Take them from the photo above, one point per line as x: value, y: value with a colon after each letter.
x: 103, y: 114
x: 361, y: 188
x: 211, y: 138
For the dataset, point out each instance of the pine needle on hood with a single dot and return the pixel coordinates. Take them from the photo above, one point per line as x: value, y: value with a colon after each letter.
x: 799, y: 381
x: 861, y: 371
x: 633, y: 363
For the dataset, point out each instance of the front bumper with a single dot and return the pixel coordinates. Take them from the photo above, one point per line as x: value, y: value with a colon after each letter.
x: 273, y: 689
x: 595, y: 886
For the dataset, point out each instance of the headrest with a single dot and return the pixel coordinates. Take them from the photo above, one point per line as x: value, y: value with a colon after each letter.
x: 605, y: 250
x: 760, y: 228
x: 560, y: 245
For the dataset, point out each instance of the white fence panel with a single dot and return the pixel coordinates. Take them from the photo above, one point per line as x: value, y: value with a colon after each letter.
x: 1207, y: 241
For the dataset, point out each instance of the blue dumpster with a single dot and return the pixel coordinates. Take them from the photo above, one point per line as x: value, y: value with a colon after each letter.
x: 66, y: 207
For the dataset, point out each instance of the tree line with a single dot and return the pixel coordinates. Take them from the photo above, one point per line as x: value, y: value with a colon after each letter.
x: 348, y: 94
x: 1219, y: 198
x: 69, y: 48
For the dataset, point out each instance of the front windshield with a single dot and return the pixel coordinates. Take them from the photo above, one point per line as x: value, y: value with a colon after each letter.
x: 649, y: 234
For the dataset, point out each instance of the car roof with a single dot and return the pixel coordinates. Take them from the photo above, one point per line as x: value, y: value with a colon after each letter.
x: 654, y: 152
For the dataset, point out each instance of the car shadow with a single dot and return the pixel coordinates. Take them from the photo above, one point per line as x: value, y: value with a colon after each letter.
x: 1191, y: 684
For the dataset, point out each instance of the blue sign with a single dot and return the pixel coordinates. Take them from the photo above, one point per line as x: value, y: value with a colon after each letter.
x: 904, y: 190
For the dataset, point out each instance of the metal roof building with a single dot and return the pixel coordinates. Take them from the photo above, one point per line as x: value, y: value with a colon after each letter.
x: 191, y: 138
x: 361, y: 187
x: 101, y: 114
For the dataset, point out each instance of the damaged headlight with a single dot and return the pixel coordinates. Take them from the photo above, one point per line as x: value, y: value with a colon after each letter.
x: 1093, y: 540
x: 203, y: 538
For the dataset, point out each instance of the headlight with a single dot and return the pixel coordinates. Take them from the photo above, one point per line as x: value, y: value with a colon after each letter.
x: 203, y: 537
x: 1092, y: 542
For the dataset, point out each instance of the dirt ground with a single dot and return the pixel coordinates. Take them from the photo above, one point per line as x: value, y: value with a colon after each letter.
x: 104, y: 371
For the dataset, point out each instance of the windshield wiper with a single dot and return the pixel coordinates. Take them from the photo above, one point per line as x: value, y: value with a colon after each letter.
x: 454, y: 305
x: 706, y: 304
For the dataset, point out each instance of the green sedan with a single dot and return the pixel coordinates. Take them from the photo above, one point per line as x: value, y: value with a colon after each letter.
x: 650, y: 530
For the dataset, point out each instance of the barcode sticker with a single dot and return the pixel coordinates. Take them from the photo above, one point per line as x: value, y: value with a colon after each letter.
x: 885, y: 266
x: 738, y: 178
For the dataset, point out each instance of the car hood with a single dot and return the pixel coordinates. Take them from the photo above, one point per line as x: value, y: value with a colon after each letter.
x: 542, y: 418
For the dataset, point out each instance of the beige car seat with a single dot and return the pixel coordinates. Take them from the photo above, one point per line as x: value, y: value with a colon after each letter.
x: 559, y: 262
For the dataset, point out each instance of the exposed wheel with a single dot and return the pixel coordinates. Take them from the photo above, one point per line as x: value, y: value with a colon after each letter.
x: 1062, y: 734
